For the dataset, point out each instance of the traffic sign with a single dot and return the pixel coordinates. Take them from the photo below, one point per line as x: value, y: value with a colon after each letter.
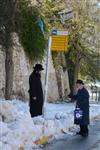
x: 59, y: 41
x: 59, y: 32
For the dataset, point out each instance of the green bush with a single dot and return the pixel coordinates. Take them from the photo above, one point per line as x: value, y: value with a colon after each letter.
x: 30, y: 33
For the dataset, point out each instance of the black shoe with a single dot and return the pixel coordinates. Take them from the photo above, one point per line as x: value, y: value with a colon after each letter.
x: 78, y: 133
x: 84, y: 134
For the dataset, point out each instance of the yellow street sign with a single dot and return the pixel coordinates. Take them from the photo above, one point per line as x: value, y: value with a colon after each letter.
x: 59, y: 43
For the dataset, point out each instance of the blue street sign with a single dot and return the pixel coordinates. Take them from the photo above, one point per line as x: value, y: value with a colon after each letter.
x: 54, y: 32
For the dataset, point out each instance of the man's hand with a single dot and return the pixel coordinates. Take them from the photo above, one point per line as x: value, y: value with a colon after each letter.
x: 34, y: 98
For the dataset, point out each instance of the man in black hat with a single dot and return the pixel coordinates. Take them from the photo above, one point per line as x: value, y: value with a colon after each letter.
x: 36, y: 91
x: 82, y: 107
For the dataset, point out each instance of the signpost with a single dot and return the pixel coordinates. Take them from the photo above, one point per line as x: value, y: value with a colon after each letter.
x: 57, y: 42
x: 46, y: 76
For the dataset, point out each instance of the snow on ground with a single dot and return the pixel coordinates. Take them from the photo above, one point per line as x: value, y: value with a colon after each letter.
x: 18, y: 130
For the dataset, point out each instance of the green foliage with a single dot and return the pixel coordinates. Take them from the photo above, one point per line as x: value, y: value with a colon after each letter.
x: 30, y: 33
x: 49, y: 10
x: 81, y: 48
x: 21, y: 17
x: 90, y: 67
x: 6, y: 14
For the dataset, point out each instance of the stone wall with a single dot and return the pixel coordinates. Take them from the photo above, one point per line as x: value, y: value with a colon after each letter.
x: 21, y: 71
x: 52, y: 81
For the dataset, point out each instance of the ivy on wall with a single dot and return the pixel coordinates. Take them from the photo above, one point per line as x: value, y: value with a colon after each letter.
x: 30, y: 33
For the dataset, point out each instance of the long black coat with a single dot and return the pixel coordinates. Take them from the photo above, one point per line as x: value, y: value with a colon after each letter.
x: 35, y: 90
x: 82, y: 101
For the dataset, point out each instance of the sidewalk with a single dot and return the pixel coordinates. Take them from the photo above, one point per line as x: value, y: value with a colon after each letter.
x: 60, y: 119
x: 61, y: 109
x: 77, y: 142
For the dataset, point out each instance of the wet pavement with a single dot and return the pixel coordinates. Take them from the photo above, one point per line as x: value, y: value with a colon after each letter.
x: 76, y: 142
x: 96, y: 146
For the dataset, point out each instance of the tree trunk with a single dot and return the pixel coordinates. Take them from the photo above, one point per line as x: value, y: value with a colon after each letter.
x: 59, y: 81
x: 10, y: 28
x: 58, y: 62
x: 76, y: 71
x: 9, y: 69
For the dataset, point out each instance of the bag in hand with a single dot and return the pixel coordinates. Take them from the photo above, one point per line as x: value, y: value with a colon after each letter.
x: 78, y: 114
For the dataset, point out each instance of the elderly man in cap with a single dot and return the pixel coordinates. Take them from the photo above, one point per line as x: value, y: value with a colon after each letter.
x: 81, y: 115
x: 36, y: 91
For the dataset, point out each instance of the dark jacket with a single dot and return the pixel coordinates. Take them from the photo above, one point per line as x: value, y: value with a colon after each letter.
x: 82, y: 101
x: 35, y: 90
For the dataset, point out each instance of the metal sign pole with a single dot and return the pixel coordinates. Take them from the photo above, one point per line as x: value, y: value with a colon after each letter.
x: 46, y: 77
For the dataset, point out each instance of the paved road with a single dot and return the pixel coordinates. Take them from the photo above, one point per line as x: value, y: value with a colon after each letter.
x: 76, y: 142
x: 96, y: 146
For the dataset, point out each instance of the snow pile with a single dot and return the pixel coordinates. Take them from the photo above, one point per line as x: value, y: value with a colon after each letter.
x: 19, y: 130
x: 7, y: 112
x: 94, y: 110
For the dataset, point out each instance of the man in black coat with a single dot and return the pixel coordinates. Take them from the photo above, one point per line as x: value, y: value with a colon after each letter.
x: 82, y: 103
x: 36, y: 91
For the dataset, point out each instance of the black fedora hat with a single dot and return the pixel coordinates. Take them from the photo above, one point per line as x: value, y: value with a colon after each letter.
x: 80, y: 81
x: 38, y: 67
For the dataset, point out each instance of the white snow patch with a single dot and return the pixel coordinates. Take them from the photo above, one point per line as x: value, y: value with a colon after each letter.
x: 18, y: 129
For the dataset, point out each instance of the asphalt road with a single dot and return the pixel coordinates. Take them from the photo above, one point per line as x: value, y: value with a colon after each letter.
x: 96, y: 146
x: 76, y: 142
